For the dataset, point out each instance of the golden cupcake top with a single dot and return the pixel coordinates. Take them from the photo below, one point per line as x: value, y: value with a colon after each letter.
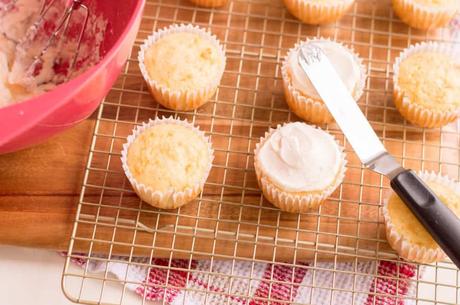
x: 169, y: 157
x: 408, y: 226
x: 183, y: 61
x: 431, y: 80
x: 437, y: 3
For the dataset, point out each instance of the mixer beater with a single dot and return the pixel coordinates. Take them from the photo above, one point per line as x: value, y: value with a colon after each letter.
x: 49, y: 30
x: 61, y: 27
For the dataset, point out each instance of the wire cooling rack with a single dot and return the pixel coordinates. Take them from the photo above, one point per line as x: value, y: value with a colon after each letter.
x: 231, y: 220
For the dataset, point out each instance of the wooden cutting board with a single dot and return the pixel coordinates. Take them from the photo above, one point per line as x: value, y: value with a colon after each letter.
x: 39, y: 189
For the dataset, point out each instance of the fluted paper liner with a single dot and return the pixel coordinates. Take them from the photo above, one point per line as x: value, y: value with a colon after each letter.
x: 310, y: 109
x: 403, y: 246
x: 314, y: 12
x: 421, y: 16
x: 294, y: 202
x: 181, y: 99
x: 413, y: 112
x: 209, y: 3
x: 170, y: 199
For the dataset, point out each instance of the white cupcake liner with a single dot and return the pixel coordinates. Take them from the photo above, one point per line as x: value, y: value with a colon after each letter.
x: 421, y: 16
x: 289, y: 201
x: 181, y: 99
x: 313, y: 109
x: 209, y: 3
x: 314, y: 12
x: 404, y: 247
x: 413, y: 112
x: 170, y: 199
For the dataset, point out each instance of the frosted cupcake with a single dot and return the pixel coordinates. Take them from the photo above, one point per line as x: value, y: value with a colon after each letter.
x: 182, y: 65
x: 426, y: 14
x: 427, y: 84
x: 318, y: 11
x: 405, y: 233
x: 302, y: 97
x: 167, y: 162
x: 298, y: 166
x: 209, y: 3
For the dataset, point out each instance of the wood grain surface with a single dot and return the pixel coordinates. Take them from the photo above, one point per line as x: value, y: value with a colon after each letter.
x: 39, y: 189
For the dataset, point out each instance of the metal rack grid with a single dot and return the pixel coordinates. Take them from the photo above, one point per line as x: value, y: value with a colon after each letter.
x: 231, y: 220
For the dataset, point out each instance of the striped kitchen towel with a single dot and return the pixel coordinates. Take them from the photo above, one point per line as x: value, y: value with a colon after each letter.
x: 197, y: 282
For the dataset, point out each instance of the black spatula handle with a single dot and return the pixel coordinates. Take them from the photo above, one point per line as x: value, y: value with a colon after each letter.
x: 437, y: 218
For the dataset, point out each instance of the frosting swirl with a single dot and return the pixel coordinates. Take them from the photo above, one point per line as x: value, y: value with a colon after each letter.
x: 341, y: 58
x: 300, y: 158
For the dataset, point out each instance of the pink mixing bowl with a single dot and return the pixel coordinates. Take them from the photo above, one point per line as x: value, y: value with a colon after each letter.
x: 32, y: 121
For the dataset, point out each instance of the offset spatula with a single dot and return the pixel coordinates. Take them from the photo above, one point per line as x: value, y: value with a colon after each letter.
x: 438, y: 219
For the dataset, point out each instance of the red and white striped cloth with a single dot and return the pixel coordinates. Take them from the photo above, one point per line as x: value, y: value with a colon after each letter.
x: 209, y: 282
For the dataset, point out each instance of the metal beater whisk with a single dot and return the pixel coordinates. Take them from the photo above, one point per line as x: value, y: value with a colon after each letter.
x: 59, y: 32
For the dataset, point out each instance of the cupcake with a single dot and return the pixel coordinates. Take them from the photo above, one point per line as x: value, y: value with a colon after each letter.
x: 427, y: 84
x: 426, y: 14
x: 167, y: 162
x: 318, y: 11
x: 302, y: 97
x: 182, y: 65
x: 298, y: 166
x: 405, y: 233
x: 209, y: 3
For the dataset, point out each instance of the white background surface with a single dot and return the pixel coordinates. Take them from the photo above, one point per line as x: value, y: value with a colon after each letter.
x: 33, y: 276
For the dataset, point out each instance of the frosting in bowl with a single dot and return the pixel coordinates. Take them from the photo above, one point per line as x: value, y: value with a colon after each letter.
x: 25, y: 31
x: 343, y: 61
x: 300, y: 158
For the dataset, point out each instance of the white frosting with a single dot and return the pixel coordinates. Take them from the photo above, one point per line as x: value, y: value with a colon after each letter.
x: 342, y: 59
x: 13, y: 26
x: 300, y: 158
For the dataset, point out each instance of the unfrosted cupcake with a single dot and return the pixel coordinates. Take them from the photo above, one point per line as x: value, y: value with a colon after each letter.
x: 405, y: 234
x: 183, y: 65
x: 426, y: 14
x: 209, y: 3
x: 167, y: 162
x: 318, y: 11
x: 427, y: 84
x: 298, y: 166
x: 302, y: 97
